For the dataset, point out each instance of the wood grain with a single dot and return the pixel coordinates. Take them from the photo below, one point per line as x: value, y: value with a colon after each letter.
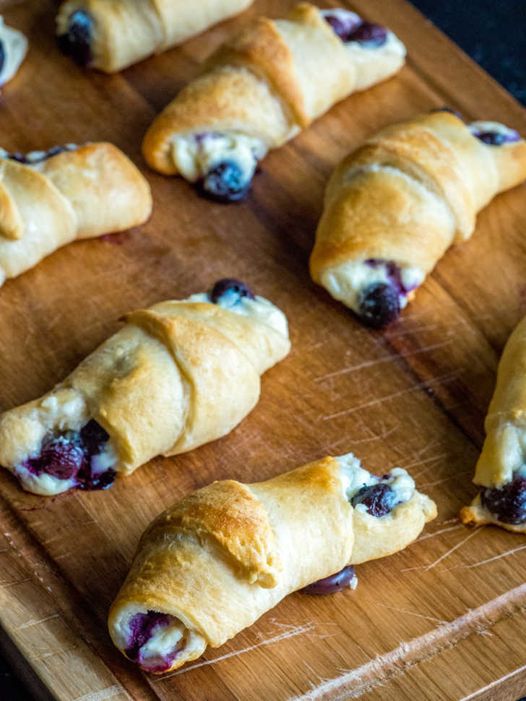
x: 444, y: 619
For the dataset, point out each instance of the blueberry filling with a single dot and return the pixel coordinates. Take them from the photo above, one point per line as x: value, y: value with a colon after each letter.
x: 379, y: 499
x: 508, y: 503
x: 344, y: 579
x: 229, y: 292
x: 73, y: 456
x: 34, y: 157
x: 497, y: 138
x: 76, y: 42
x: 369, y: 35
x: 143, y: 626
x: 351, y: 28
x: 379, y: 304
x: 226, y: 182
x: 2, y: 56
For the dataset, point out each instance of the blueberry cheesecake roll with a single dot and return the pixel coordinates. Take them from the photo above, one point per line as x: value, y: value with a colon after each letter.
x: 13, y: 50
x: 215, y: 562
x: 111, y: 35
x: 176, y: 376
x: 263, y: 87
x: 50, y: 198
x: 500, y: 473
x: 394, y: 206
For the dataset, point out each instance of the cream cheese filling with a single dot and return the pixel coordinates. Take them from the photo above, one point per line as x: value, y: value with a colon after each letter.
x: 492, y: 127
x: 15, y: 49
x: 259, y: 309
x: 195, y: 155
x: 354, y: 477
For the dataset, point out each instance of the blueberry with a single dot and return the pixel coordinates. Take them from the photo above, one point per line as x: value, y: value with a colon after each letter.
x: 330, y: 585
x: 142, y: 626
x: 231, y: 290
x: 508, y: 503
x: 60, y: 457
x: 226, y: 182
x: 379, y: 499
x: 379, y: 304
x: 76, y: 43
x: 369, y: 35
x: 94, y: 437
x: 55, y: 150
x: 2, y: 56
x: 342, y: 24
x: 497, y: 138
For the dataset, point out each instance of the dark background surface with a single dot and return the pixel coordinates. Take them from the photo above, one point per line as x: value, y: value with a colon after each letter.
x: 494, y: 35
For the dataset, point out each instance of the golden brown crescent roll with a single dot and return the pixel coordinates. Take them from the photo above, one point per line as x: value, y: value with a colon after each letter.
x: 50, y: 198
x: 177, y: 375
x: 261, y: 88
x: 113, y: 34
x: 218, y: 560
x: 394, y: 206
x: 501, y: 468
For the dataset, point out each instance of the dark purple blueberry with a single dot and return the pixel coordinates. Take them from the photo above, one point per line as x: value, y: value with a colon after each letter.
x: 379, y: 304
x: 342, y: 24
x: 18, y: 157
x: 369, y: 35
x: 230, y: 288
x: 90, y: 481
x: 60, y: 457
x: 508, y: 503
x: 55, y: 150
x: 496, y: 138
x: 76, y: 42
x: 94, y: 437
x: 226, y: 182
x: 2, y: 56
x: 330, y: 585
x: 142, y: 627
x: 379, y: 499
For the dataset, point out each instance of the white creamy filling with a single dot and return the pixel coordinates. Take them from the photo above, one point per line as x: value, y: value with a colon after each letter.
x: 492, y: 127
x: 348, y: 281
x: 354, y: 478
x: 45, y: 485
x: 345, y: 16
x: 36, y: 158
x: 15, y: 49
x: 163, y: 642
x: 259, y: 309
x: 195, y: 156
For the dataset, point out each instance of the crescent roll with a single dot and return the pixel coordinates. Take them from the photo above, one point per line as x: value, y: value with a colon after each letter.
x: 50, y: 198
x: 219, y: 559
x: 176, y: 376
x: 393, y: 207
x: 13, y: 50
x: 501, y: 468
x: 261, y: 88
x: 113, y: 34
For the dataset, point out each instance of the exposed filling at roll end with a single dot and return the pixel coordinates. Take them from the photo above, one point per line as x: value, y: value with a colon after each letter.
x: 507, y: 503
x: 237, y: 297
x: 221, y: 164
x: 376, y: 290
x: 34, y: 158
x: 157, y: 642
x: 82, y: 459
x: 13, y: 49
x: 74, y: 36
x: 494, y: 133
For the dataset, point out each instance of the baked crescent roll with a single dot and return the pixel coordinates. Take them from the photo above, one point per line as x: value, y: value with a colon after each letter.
x: 219, y: 559
x: 176, y: 376
x: 113, y: 34
x: 394, y: 206
x: 261, y: 88
x: 50, y: 198
x: 501, y: 468
x: 13, y: 50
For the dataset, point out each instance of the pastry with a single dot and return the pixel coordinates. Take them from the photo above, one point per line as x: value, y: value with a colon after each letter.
x: 394, y: 206
x: 501, y: 468
x: 50, y: 198
x: 176, y: 376
x: 13, y: 50
x: 262, y: 88
x: 113, y: 34
x: 219, y: 559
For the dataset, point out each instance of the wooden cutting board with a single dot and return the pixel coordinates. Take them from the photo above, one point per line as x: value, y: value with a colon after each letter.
x: 444, y: 619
